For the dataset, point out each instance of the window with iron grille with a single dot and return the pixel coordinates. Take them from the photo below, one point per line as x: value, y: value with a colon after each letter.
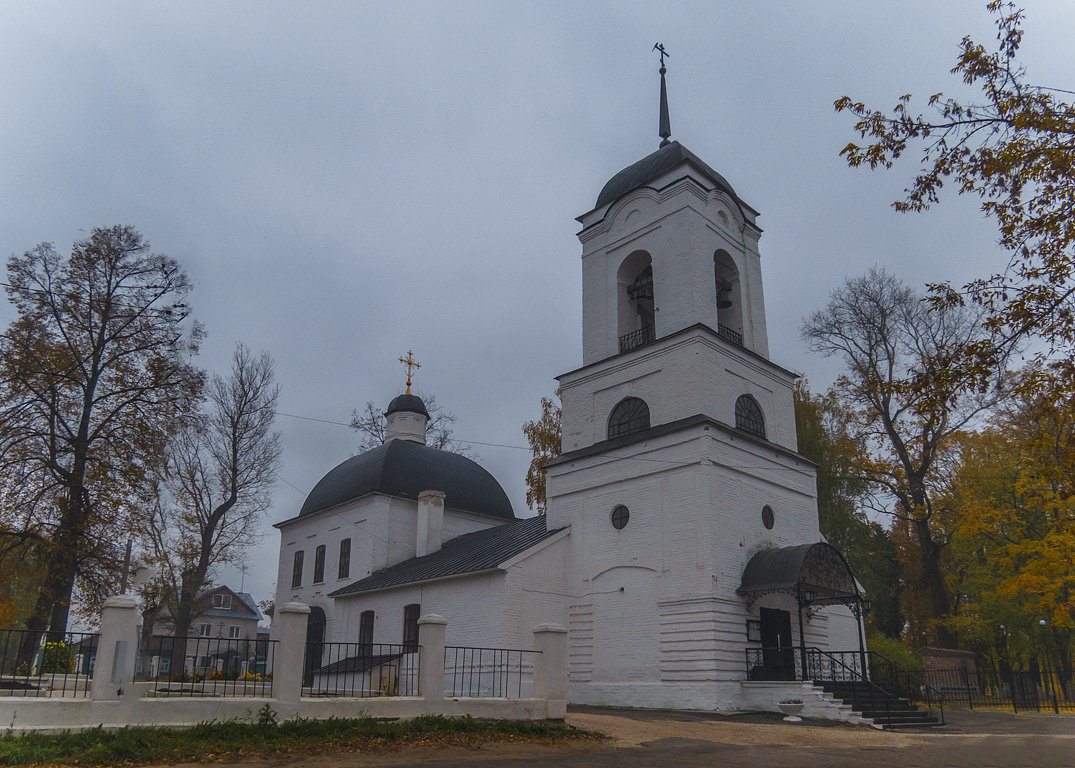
x: 296, y: 570
x: 410, y: 626
x: 365, y: 629
x: 629, y: 416
x: 319, y: 564
x: 345, y: 559
x: 748, y: 416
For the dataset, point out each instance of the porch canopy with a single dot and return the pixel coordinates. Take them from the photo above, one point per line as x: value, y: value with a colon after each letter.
x: 815, y: 574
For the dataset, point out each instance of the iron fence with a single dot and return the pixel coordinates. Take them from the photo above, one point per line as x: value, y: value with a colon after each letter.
x: 1017, y: 690
x: 360, y: 670
x: 46, y: 663
x: 206, y: 666
x: 488, y: 672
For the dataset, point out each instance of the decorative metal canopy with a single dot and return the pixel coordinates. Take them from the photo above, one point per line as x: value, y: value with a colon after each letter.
x: 815, y: 574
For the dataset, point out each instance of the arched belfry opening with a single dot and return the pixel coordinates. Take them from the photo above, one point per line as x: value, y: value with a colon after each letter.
x: 729, y: 297
x: 636, y: 309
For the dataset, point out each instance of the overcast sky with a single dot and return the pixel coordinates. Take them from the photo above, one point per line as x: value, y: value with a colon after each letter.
x: 346, y: 181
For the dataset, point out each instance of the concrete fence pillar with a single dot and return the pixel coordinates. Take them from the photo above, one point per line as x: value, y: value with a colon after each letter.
x: 117, y: 646
x: 550, y: 668
x: 431, y: 631
x: 290, y: 621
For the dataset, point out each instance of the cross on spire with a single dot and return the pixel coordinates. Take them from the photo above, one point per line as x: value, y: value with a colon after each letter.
x: 664, y: 129
x: 411, y: 364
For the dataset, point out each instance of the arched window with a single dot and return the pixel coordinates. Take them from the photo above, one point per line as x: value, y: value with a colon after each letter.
x: 636, y: 319
x: 748, y: 416
x: 729, y: 298
x: 630, y: 416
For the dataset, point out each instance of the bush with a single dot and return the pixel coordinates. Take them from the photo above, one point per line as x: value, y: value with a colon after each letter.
x: 895, y: 650
x: 58, y: 657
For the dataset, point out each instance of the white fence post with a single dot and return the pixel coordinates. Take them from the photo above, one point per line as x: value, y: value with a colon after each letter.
x: 550, y: 668
x: 290, y: 653
x: 113, y: 669
x: 431, y: 630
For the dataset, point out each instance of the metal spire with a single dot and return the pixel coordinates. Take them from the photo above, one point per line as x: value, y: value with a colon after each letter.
x: 665, y: 127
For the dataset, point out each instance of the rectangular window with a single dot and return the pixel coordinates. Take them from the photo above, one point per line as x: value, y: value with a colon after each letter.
x: 204, y: 630
x: 233, y: 633
x: 222, y: 601
x: 296, y: 570
x: 319, y: 564
x: 345, y: 559
x: 365, y: 631
x: 410, y: 626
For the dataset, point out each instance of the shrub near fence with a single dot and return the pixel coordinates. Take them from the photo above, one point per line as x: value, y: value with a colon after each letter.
x: 41, y: 664
x: 206, y: 666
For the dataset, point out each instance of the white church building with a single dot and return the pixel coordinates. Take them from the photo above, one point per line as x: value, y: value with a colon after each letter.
x: 681, y: 536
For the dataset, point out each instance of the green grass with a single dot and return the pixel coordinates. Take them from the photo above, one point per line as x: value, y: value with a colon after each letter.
x: 214, y: 740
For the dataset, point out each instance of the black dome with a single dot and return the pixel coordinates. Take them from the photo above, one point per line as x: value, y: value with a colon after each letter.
x: 405, y: 468
x: 411, y: 403
x: 650, y: 167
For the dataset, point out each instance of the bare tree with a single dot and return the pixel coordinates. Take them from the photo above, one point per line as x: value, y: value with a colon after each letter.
x: 907, y: 399
x: 370, y: 424
x: 94, y: 376
x: 219, y: 475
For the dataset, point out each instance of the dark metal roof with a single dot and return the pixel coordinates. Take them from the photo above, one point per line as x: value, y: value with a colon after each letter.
x: 405, y: 468
x: 361, y: 663
x: 411, y: 403
x: 650, y: 167
x: 471, y: 552
x: 817, y: 572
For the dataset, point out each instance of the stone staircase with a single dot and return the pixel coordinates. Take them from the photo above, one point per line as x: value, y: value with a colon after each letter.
x: 883, y: 708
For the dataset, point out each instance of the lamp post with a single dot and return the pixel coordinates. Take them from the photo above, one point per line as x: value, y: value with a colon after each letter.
x: 1006, y: 667
x: 1048, y: 663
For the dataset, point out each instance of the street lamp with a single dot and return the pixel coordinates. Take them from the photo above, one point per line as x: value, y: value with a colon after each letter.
x: 1046, y: 674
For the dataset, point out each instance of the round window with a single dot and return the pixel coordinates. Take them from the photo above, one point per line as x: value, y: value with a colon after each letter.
x: 767, y: 517
x: 620, y: 516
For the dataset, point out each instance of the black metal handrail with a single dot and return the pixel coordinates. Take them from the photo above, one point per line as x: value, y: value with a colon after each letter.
x: 906, y: 683
x: 640, y: 338
x: 881, y: 676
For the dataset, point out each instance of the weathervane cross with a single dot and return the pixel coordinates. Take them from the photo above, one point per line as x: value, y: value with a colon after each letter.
x: 411, y: 364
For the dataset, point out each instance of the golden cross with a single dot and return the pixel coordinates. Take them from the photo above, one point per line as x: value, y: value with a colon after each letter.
x: 411, y: 363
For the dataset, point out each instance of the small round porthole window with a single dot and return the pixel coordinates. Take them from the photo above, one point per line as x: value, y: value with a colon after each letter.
x: 620, y: 516
x: 768, y: 519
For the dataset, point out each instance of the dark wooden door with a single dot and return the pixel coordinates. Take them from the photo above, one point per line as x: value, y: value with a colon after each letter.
x: 778, y: 653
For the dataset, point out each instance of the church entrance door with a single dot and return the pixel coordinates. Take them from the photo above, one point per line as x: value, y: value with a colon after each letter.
x: 778, y: 653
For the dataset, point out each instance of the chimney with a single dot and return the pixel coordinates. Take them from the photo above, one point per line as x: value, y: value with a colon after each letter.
x: 430, y: 522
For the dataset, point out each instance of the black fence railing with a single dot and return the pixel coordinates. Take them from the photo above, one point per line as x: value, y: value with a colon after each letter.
x: 639, y: 338
x: 1016, y: 690
x: 488, y: 672
x: 728, y: 334
x: 360, y: 670
x: 46, y: 664
x: 206, y: 666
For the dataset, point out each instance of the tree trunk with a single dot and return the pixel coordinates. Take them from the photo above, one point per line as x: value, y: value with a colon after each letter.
x: 938, y: 592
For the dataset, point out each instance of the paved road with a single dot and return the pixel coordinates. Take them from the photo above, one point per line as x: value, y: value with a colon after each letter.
x: 646, y: 739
